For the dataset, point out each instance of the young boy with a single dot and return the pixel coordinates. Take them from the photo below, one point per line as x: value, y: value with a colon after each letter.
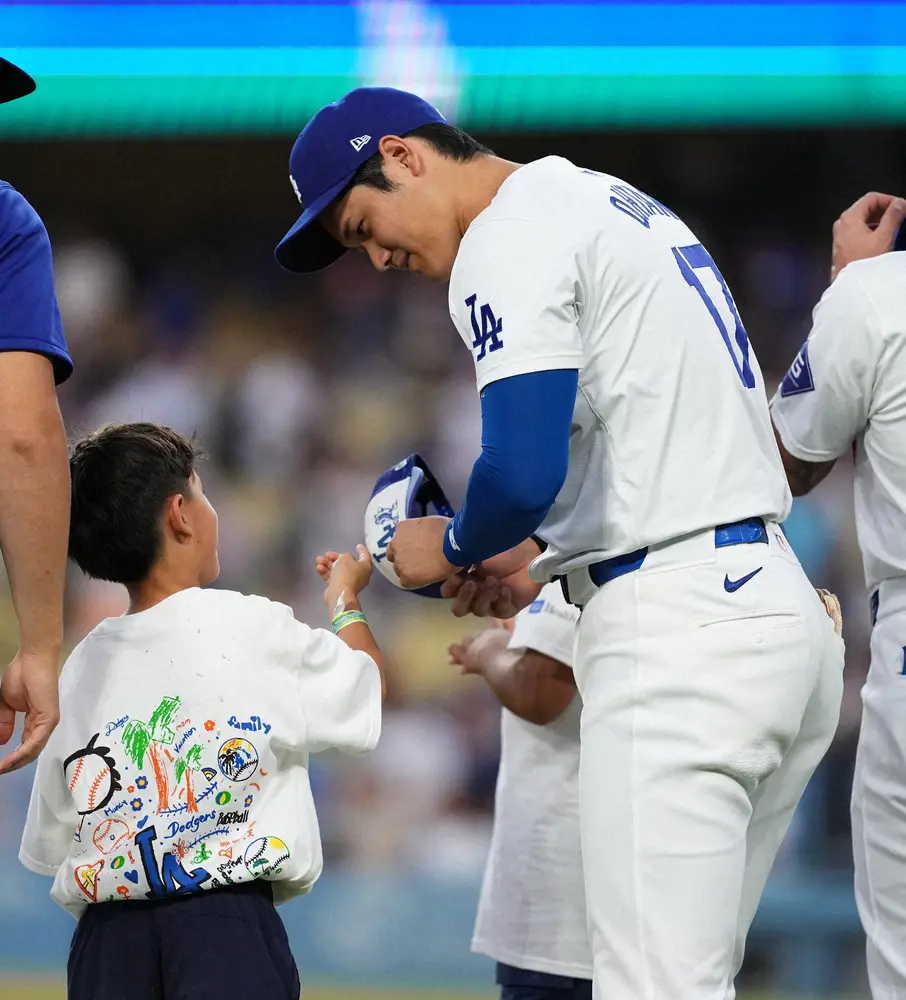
x: 172, y: 805
x: 531, y: 915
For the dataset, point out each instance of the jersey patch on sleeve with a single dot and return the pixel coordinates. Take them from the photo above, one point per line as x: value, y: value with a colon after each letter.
x: 536, y: 607
x: 799, y: 378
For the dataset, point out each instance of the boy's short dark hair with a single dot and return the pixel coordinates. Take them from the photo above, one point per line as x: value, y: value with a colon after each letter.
x: 122, y: 476
x: 447, y: 140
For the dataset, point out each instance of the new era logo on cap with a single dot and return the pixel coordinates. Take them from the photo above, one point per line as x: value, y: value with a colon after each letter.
x: 359, y: 142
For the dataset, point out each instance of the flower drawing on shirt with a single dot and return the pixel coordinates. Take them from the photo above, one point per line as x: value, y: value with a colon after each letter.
x: 141, y: 781
x: 152, y: 738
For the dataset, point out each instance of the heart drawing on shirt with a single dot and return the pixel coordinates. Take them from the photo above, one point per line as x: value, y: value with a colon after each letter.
x: 142, y: 822
x: 86, y: 877
x: 132, y: 876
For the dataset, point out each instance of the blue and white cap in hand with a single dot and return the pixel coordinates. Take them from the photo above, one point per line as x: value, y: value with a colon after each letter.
x: 407, y: 490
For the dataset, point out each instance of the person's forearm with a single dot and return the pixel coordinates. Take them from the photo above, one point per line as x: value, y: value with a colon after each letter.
x: 802, y: 476
x: 34, y: 519
x: 526, y: 423
x: 503, y: 676
x: 358, y: 635
x: 511, y: 675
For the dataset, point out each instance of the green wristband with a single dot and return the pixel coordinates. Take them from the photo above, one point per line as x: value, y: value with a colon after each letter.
x: 348, y: 618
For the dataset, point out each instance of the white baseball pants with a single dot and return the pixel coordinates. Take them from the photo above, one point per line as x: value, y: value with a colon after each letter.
x: 706, y: 711
x: 879, y: 799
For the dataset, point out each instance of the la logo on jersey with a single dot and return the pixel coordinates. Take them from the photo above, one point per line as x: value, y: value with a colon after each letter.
x: 359, y: 142
x: 487, y: 336
x: 799, y: 378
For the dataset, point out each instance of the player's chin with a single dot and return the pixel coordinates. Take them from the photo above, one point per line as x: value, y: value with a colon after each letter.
x: 440, y: 274
x: 433, y: 270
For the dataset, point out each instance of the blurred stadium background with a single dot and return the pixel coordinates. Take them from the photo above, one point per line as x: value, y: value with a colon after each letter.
x: 156, y: 150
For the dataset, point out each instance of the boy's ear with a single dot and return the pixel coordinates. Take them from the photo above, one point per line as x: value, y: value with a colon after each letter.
x: 175, y: 517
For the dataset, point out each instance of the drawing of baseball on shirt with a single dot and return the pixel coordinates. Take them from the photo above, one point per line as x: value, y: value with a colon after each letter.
x: 167, y: 805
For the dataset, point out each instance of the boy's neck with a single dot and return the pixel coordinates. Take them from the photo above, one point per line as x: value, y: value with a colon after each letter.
x: 156, y: 587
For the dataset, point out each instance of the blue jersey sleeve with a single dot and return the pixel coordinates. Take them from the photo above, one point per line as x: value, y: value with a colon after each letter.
x: 29, y: 315
x: 525, y: 428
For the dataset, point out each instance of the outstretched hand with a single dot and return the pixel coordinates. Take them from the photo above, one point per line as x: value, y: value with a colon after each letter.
x: 344, y: 573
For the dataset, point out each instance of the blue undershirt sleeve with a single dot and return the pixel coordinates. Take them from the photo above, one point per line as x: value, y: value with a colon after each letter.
x: 525, y: 424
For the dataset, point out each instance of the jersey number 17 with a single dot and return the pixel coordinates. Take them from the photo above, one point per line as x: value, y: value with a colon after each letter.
x: 695, y: 258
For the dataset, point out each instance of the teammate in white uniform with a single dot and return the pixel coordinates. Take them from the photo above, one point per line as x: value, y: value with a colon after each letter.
x: 531, y: 915
x: 625, y: 426
x: 846, y: 390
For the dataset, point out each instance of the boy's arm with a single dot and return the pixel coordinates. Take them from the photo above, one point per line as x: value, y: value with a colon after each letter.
x: 357, y: 635
x: 530, y: 670
x: 530, y: 684
x: 341, y: 679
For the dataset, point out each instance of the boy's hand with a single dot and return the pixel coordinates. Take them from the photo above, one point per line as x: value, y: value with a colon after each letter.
x: 344, y: 574
x: 472, y: 653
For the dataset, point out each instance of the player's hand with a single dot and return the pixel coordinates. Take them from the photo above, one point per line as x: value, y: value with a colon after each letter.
x: 485, y: 595
x: 30, y: 685
x: 867, y: 228
x: 344, y: 574
x: 832, y: 606
x: 472, y: 653
x: 417, y: 552
x: 513, y: 560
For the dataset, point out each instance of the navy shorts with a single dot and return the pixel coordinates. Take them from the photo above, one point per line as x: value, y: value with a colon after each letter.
x: 226, y: 942
x: 520, y: 984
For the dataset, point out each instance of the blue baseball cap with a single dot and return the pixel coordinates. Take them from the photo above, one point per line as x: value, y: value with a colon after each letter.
x: 328, y: 152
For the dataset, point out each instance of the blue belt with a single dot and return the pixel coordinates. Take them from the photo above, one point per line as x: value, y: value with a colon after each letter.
x: 745, y: 532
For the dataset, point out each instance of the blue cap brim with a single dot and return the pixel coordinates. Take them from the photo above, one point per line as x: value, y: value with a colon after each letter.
x: 14, y: 82
x: 308, y: 246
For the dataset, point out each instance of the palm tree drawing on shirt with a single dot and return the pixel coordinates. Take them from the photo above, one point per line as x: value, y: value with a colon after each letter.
x: 189, y: 762
x: 151, y: 737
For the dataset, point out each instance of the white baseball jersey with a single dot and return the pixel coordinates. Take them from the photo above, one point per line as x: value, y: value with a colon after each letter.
x: 532, y: 909
x: 181, y: 758
x: 568, y: 268
x: 847, y: 389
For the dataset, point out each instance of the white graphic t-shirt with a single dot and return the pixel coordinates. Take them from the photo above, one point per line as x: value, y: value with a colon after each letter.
x: 532, y: 909
x: 181, y: 759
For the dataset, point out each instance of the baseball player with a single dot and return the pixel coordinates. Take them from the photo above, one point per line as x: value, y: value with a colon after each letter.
x: 531, y: 915
x: 34, y: 471
x: 845, y: 390
x: 627, y: 449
